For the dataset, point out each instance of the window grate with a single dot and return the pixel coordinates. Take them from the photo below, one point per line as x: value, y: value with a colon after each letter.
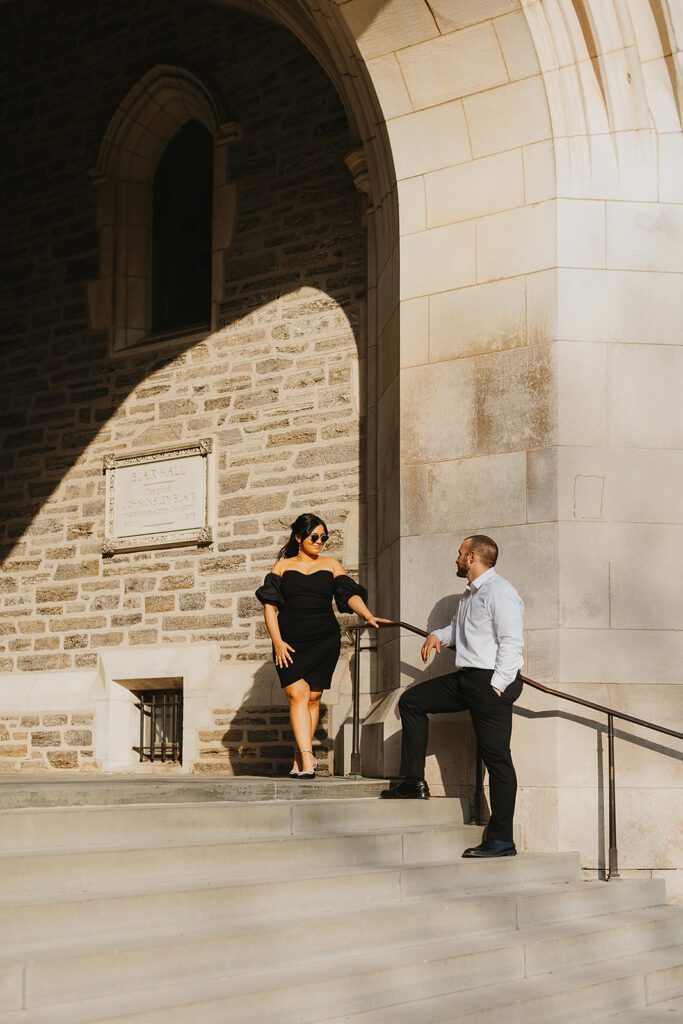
x: 161, y: 725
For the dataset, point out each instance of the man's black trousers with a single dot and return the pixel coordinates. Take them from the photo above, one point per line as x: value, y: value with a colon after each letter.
x: 467, y: 689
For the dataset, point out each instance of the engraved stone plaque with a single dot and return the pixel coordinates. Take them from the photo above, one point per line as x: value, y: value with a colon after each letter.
x: 157, y: 499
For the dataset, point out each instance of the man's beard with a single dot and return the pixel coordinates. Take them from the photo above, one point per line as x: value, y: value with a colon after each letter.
x: 461, y: 570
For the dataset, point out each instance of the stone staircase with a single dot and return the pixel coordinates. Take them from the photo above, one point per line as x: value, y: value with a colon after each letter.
x: 299, y: 906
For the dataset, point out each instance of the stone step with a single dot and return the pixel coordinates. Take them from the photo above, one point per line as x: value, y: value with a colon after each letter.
x: 155, y: 868
x: 668, y: 1012
x: 29, y: 921
x: 567, y: 996
x: 109, y: 790
x: 121, y: 827
x: 426, y: 929
x: 543, y: 905
x: 412, y: 985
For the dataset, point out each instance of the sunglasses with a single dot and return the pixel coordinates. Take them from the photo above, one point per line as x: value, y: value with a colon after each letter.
x: 321, y: 538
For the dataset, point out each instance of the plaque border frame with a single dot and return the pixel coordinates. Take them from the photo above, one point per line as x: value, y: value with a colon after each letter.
x: 200, y: 536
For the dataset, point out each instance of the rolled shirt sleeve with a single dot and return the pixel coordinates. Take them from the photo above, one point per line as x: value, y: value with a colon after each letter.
x: 448, y: 635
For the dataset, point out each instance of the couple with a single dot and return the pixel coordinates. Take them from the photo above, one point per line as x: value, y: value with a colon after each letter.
x: 486, y: 631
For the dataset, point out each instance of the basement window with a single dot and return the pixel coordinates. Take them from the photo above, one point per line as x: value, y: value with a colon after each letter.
x: 160, y: 722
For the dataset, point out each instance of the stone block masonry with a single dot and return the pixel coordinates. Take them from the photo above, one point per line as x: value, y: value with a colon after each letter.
x: 273, y: 386
x: 257, y: 741
x: 47, y: 742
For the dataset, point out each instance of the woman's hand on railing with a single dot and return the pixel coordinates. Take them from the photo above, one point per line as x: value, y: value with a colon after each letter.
x: 373, y: 620
x: 432, y: 643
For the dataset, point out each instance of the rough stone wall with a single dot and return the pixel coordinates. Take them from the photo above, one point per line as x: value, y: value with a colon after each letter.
x: 273, y: 386
x: 50, y: 741
x: 257, y: 741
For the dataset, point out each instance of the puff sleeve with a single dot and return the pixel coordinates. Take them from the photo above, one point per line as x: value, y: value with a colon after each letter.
x: 271, y: 591
x: 344, y: 588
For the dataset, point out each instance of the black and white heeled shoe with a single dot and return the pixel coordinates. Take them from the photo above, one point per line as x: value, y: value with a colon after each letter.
x: 310, y: 774
x: 294, y: 774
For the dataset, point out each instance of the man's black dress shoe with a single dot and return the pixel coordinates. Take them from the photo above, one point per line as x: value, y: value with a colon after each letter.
x: 492, y: 848
x: 409, y: 789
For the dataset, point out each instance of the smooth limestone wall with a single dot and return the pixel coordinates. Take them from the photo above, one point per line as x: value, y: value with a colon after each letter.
x: 538, y: 155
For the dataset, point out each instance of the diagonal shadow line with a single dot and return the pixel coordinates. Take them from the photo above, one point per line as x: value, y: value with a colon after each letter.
x: 600, y: 727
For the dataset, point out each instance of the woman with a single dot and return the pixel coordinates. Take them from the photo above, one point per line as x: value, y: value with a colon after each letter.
x: 297, y: 605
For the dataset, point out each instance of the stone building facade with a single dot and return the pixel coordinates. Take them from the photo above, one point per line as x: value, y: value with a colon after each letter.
x: 275, y: 385
x: 485, y: 337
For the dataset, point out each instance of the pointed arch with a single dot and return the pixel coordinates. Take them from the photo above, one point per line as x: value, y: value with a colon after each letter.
x: 157, y: 107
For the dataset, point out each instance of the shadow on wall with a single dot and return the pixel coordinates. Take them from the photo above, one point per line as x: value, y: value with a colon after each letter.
x: 257, y: 739
x: 451, y: 737
x: 451, y: 747
x: 291, y: 308
x: 599, y: 727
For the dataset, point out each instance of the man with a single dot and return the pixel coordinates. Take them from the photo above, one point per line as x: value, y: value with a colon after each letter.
x: 487, y: 633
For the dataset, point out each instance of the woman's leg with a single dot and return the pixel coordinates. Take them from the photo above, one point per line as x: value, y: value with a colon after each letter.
x: 314, y: 709
x: 299, y: 695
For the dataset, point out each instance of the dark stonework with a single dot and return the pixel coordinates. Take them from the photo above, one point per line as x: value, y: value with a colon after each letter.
x: 272, y: 388
x: 264, y: 747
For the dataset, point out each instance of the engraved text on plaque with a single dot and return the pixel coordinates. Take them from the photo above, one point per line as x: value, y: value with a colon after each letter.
x: 157, y: 499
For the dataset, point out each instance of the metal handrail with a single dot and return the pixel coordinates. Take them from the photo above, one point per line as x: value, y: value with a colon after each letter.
x: 613, y: 869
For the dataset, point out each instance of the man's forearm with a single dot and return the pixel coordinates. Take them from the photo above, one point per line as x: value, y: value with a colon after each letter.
x: 445, y: 636
x: 508, y: 663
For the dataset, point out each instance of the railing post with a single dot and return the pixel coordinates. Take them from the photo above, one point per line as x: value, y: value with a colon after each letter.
x: 355, y: 734
x: 152, y: 724
x: 478, y: 789
x: 141, y: 705
x: 613, y: 851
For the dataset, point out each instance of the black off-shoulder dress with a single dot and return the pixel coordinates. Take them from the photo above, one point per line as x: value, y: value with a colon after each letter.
x: 307, y: 621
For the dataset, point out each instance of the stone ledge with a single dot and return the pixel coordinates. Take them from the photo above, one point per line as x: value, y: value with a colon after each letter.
x: 105, y: 790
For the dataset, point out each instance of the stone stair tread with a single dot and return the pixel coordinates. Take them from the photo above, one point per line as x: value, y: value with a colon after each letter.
x: 430, y: 946
x: 228, y: 841
x: 180, y: 805
x: 668, y: 1012
x: 201, y: 932
x: 529, y: 904
x: 644, y: 897
x: 120, y: 790
x: 519, y: 902
x: 24, y: 829
x: 191, y: 910
x: 202, y: 997
x: 133, y: 888
x: 463, y: 1005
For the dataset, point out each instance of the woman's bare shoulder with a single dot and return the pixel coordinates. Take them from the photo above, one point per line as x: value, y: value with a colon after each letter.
x: 335, y: 565
x: 279, y: 566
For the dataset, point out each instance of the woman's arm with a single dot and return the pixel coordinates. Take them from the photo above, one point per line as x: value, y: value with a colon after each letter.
x: 356, y: 602
x: 270, y: 616
x: 358, y: 605
x: 283, y: 650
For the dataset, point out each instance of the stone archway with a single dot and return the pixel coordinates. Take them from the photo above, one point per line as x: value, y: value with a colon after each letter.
x: 532, y: 283
x: 523, y: 170
x: 276, y: 385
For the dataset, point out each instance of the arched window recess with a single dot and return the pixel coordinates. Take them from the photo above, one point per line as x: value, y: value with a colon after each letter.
x: 166, y: 211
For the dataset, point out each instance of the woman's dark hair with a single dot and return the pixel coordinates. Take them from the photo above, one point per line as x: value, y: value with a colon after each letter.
x: 301, y: 527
